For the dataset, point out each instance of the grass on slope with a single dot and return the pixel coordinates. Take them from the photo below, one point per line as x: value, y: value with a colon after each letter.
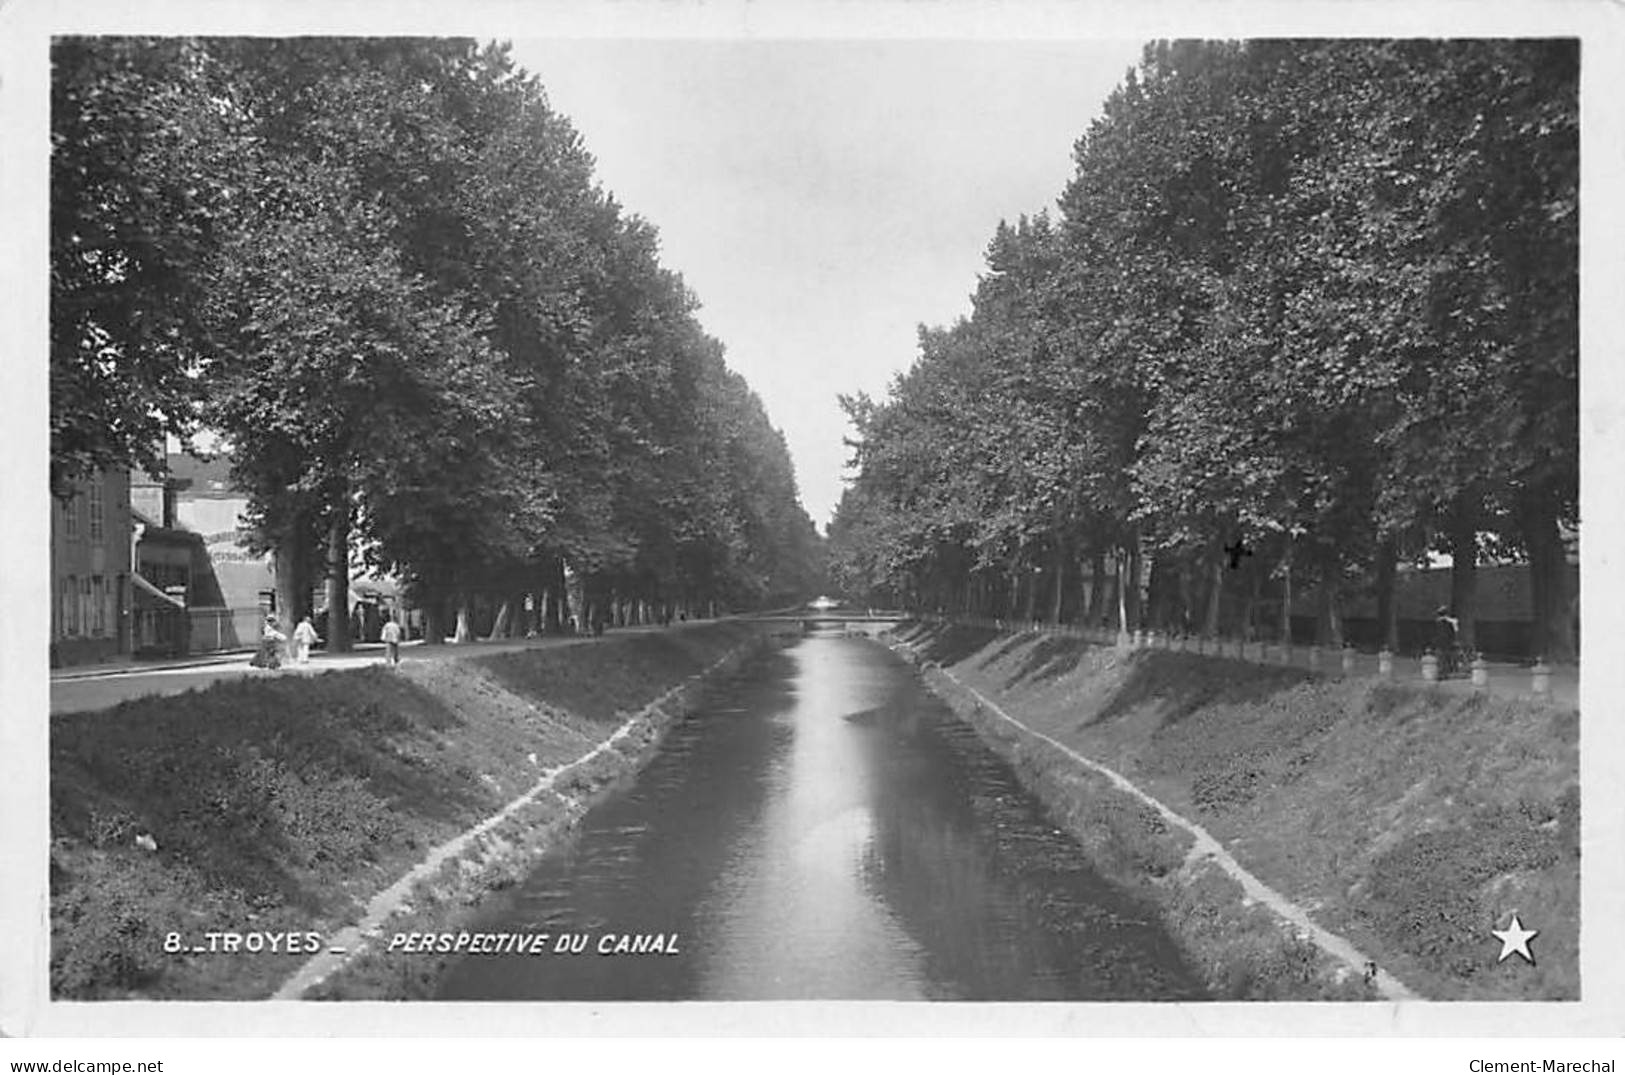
x: 1410, y: 820
x: 281, y: 803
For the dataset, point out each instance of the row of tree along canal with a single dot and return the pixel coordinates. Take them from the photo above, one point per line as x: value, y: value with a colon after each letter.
x: 1309, y: 312
x: 383, y: 271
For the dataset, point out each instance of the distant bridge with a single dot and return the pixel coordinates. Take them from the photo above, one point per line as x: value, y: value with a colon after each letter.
x: 811, y: 618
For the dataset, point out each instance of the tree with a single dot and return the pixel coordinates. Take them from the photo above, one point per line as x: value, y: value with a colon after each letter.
x: 1271, y: 313
x: 139, y: 191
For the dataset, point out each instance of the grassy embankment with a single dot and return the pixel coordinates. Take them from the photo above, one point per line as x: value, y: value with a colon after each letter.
x: 1409, y: 821
x: 284, y: 803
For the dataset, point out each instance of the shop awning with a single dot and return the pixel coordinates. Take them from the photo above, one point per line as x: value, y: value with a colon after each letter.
x: 143, y: 584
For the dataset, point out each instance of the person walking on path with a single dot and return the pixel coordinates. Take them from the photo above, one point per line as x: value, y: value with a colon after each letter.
x: 304, y: 636
x: 1447, y: 630
x: 269, y: 655
x: 391, y: 635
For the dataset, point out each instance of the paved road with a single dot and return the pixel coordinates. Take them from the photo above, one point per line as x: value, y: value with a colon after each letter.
x: 77, y: 690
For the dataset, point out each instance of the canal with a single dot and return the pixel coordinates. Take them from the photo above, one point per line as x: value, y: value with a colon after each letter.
x: 823, y: 827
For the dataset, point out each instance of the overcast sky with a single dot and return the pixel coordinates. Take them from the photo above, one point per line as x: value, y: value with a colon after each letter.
x: 824, y: 198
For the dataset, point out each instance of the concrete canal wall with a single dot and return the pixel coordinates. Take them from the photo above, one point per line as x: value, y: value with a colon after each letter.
x: 259, y: 837
x: 1305, y: 838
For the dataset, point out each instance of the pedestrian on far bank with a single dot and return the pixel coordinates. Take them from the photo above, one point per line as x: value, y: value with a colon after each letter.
x: 304, y: 636
x: 391, y: 635
x: 1447, y: 632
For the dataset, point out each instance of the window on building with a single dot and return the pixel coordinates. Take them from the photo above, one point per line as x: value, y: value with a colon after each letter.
x: 97, y: 518
x: 66, y: 599
x: 98, y: 604
x: 70, y: 518
x: 86, y: 612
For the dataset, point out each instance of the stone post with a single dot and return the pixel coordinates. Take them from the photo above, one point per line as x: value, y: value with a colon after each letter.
x: 1430, y: 667
x: 1348, y: 660
x: 1540, y: 678
x: 1481, y: 673
x: 1385, y: 663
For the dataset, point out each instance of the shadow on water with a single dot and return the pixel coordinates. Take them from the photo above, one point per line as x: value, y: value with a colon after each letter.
x: 824, y: 828
x: 643, y: 859
x: 1003, y: 904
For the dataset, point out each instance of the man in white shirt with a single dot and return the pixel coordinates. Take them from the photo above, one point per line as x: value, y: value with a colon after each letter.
x: 392, y: 641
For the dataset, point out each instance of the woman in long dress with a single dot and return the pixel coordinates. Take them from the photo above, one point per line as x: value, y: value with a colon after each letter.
x: 269, y: 655
x: 304, y: 636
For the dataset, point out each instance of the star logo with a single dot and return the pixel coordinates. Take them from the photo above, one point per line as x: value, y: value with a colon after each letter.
x: 1515, y: 939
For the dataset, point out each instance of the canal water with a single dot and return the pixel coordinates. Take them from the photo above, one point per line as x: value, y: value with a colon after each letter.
x: 823, y: 827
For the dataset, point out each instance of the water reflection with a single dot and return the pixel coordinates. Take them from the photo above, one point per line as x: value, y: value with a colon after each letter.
x: 828, y: 830
x: 793, y: 916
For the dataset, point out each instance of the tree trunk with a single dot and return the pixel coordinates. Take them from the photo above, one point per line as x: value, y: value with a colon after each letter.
x: 1187, y: 599
x: 1552, y: 636
x: 1120, y: 566
x: 1164, y: 593
x: 1464, y: 570
x: 1060, y: 584
x: 1136, y: 596
x: 1286, y: 595
x: 1215, y: 600
x: 1387, y: 604
x: 1328, y: 624
x: 500, y: 626
x: 291, y: 560
x: 434, y: 621
x: 1095, y: 610
x: 338, y: 580
x: 559, y: 587
x: 464, y: 634
x: 1250, y: 608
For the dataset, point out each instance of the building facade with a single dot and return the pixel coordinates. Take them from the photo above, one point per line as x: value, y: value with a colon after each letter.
x: 197, y: 589
x: 91, y: 554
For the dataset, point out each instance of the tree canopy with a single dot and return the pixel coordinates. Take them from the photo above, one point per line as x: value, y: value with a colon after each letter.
x: 1314, y: 299
x: 384, y: 272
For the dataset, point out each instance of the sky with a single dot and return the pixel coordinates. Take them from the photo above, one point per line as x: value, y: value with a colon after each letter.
x: 825, y: 198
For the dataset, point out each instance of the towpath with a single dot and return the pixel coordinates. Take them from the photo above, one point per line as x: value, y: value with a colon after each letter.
x: 1504, y: 677
x: 83, y: 689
